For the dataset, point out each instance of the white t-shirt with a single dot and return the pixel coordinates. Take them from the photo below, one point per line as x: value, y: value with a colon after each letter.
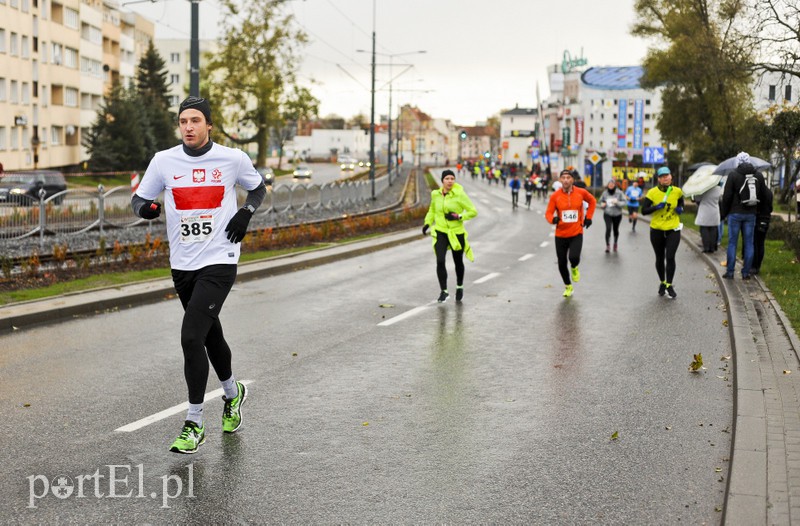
x: 199, y: 201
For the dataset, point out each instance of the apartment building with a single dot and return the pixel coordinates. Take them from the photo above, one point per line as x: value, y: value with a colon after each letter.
x: 176, y: 54
x: 57, y: 58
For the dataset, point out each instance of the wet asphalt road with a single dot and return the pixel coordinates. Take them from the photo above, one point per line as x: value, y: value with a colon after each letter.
x: 497, y: 410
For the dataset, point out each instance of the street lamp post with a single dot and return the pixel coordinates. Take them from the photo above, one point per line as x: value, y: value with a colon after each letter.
x: 35, y: 142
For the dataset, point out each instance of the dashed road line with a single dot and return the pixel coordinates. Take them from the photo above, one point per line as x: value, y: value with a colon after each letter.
x: 526, y: 257
x: 543, y: 244
x: 486, y: 278
x: 161, y: 415
x: 406, y: 314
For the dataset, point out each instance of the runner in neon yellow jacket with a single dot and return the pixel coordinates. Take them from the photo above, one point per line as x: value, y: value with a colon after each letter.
x: 450, y: 207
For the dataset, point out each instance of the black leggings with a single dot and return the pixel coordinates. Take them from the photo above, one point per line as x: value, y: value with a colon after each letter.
x: 612, y: 222
x: 442, y: 244
x: 568, y: 248
x: 202, y: 293
x: 665, y: 245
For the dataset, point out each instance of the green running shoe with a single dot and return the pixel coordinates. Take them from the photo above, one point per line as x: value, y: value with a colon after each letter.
x: 232, y: 414
x: 568, y: 291
x: 576, y: 274
x: 191, y: 437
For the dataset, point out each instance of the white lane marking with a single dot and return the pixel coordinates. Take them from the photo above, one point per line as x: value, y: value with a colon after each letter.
x: 485, y: 201
x: 543, y: 244
x: 486, y: 278
x: 161, y: 415
x: 526, y: 257
x: 406, y: 314
x: 498, y: 209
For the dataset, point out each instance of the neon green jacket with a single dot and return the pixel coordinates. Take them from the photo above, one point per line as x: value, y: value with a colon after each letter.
x: 454, y: 201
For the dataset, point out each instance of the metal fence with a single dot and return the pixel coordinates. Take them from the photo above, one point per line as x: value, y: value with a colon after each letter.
x: 76, y: 211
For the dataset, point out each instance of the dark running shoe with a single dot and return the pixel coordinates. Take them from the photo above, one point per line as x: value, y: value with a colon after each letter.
x: 662, y: 289
x: 459, y: 294
x: 671, y: 292
x: 443, y: 296
x: 746, y: 278
x: 728, y: 275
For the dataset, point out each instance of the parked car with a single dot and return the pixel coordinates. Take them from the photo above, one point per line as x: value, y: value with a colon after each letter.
x: 347, y: 164
x: 23, y: 187
x: 302, y: 171
x: 268, y: 175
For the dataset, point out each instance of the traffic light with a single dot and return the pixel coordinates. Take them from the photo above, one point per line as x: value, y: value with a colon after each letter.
x: 463, y: 135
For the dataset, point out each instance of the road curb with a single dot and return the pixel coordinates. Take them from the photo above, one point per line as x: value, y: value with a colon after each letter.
x: 87, y: 303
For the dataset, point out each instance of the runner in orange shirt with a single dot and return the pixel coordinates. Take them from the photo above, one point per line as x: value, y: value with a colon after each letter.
x: 565, y: 211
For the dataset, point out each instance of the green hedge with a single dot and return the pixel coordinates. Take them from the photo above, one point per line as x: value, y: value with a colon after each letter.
x: 789, y: 233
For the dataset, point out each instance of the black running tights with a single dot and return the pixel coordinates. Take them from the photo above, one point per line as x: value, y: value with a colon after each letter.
x: 568, y: 249
x: 612, y: 222
x: 665, y: 245
x: 202, y: 293
x: 442, y: 244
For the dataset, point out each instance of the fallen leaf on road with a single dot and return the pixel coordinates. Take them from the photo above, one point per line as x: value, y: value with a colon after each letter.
x: 386, y: 306
x: 725, y: 358
x: 697, y: 364
x: 787, y: 372
x: 615, y: 435
x: 724, y: 323
x: 365, y: 424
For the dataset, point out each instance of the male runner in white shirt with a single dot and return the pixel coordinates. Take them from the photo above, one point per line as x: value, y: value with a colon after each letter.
x: 204, y: 227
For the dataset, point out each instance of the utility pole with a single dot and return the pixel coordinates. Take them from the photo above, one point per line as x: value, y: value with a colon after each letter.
x: 194, y: 51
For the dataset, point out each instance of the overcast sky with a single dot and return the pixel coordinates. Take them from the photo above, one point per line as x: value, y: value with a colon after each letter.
x: 481, y: 56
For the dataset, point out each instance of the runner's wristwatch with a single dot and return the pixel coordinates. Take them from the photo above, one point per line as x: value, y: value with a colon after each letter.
x: 250, y: 208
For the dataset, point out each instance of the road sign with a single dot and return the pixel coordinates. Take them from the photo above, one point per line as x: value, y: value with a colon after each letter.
x: 535, y: 143
x: 653, y: 155
x: 594, y: 158
x: 535, y: 154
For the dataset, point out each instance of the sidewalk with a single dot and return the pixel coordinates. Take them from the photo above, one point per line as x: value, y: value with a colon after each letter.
x: 764, y: 482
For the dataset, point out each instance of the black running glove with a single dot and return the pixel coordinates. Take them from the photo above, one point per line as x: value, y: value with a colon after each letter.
x: 452, y: 216
x: 237, y: 227
x: 425, y: 230
x: 150, y: 210
x: 587, y: 223
x: 555, y: 221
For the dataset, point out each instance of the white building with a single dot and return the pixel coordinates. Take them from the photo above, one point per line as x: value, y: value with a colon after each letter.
x: 330, y: 144
x: 518, y: 131
x: 176, y: 54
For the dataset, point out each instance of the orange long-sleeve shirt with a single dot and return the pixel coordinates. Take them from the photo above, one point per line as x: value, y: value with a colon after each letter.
x: 569, y: 207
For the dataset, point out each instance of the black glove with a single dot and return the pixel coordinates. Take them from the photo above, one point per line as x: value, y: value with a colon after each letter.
x: 237, y: 228
x: 556, y: 220
x: 587, y: 223
x: 452, y: 216
x: 425, y: 230
x: 150, y: 210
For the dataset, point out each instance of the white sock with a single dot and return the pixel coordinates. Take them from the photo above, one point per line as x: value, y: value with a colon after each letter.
x: 230, y: 388
x: 195, y: 414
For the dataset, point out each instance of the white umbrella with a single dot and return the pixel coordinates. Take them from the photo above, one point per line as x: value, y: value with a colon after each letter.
x: 702, y: 180
x: 729, y: 165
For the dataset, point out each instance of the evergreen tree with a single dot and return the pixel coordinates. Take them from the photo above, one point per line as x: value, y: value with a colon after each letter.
x: 120, y: 137
x: 152, y: 89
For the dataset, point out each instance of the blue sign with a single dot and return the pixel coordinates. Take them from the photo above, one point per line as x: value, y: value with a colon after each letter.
x: 535, y: 154
x: 545, y: 159
x: 622, y: 119
x: 653, y: 155
x: 535, y: 143
x: 638, y: 124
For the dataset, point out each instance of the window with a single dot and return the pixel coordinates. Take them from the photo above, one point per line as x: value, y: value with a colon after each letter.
x: 25, y: 137
x: 174, y: 79
x: 615, y: 116
x: 3, y: 140
x: 2, y: 89
x: 647, y: 116
x: 788, y: 95
x: 55, y: 135
x: 92, y: 34
x: 13, y: 45
x: 647, y: 130
x: 2, y: 40
x: 45, y: 10
x: 175, y: 58
x: 71, y: 18
x: 26, y: 6
x: 45, y: 98
x: 24, y: 48
x: 14, y: 3
x: 14, y: 139
x: 26, y: 93
x: 71, y: 58
x: 91, y: 67
x: 57, y: 52
x: 772, y: 90
x: 602, y: 129
x: 14, y: 97
x: 174, y: 100
x: 71, y: 97
x: 44, y: 142
x: 647, y: 102
x: 44, y: 52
